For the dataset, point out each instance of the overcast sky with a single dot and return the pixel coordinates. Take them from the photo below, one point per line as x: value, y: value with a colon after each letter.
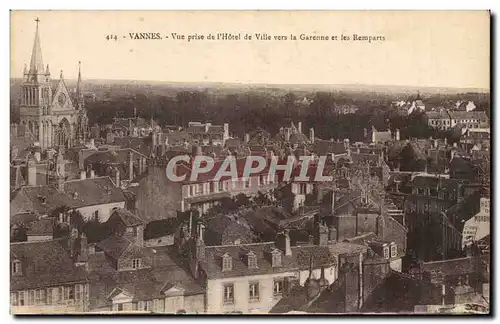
x: 444, y: 49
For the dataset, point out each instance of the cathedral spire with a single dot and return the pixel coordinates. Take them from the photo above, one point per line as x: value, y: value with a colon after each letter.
x: 36, y: 64
x: 79, y: 90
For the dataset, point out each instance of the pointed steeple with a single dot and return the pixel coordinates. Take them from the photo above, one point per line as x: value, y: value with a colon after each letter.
x: 47, y: 71
x: 79, y: 91
x: 25, y: 71
x: 36, y: 64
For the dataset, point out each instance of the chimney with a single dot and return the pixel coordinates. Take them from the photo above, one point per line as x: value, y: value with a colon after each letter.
x: 299, y: 127
x: 287, y: 135
x: 283, y: 243
x: 130, y: 166
x: 247, y: 137
x: 92, y: 173
x: 333, y: 202
x: 398, y: 137
x: 31, y: 172
x: 311, y: 134
x: 83, y: 175
x: 117, y: 177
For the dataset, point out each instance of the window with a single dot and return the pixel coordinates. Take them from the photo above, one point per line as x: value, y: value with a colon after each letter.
x: 119, y: 307
x: 199, y: 188
x: 14, y: 299
x: 96, y: 215
x: 21, y: 298
x: 144, y: 306
x: 252, y: 261
x: 136, y: 263
x: 60, y: 295
x: 386, y: 253
x: 228, y: 294
x: 227, y: 262
x: 276, y: 259
x: 70, y: 292
x: 78, y: 292
x: 31, y: 297
x: 253, y: 290
x: 191, y: 191
x: 16, y: 267
x: 246, y: 182
x: 212, y: 188
x: 220, y: 186
x: 302, y: 188
x: 394, y: 251
x: 278, y: 287
x: 49, y: 296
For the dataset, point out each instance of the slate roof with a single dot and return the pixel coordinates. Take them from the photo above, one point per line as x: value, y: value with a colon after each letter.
x: 210, y: 175
x: 451, y: 267
x: 94, y: 191
x: 128, y: 218
x: 322, y: 256
x: 44, y: 226
x: 213, y: 265
x: 44, y: 264
x: 115, y: 246
x: 322, y: 147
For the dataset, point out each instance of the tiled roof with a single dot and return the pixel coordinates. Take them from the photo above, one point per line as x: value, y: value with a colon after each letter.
x: 213, y: 265
x: 43, y: 264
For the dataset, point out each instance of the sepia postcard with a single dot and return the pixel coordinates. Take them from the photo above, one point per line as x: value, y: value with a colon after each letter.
x: 250, y: 162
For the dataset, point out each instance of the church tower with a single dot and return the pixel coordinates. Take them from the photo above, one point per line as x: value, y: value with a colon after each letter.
x: 36, y: 93
x: 48, y: 112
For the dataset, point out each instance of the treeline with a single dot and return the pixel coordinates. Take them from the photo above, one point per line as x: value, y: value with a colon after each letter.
x: 250, y: 110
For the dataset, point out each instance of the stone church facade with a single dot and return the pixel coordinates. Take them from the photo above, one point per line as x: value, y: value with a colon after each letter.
x: 46, y: 107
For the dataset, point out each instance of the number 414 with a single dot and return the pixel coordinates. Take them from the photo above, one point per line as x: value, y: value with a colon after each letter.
x: 111, y: 37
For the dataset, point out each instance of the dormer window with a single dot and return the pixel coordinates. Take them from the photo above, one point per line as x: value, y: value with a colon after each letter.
x: 252, y: 260
x: 394, y: 250
x: 276, y: 258
x: 386, y: 252
x: 16, y: 267
x: 227, y: 262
